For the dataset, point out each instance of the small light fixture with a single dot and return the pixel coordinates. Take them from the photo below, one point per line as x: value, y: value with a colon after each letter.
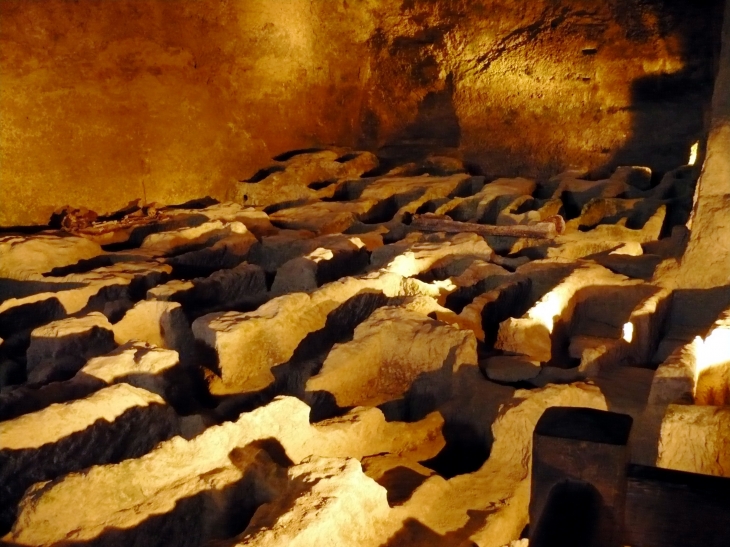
x: 693, y: 153
x: 628, y: 332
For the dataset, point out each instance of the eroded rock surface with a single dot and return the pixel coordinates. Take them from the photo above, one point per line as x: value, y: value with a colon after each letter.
x: 135, y: 363
x: 534, y: 333
x: 696, y: 439
x: 327, y: 501
x: 162, y: 324
x: 409, y: 345
x: 110, y: 425
x: 189, y: 488
x: 270, y: 334
x: 58, y: 350
x: 390, y: 352
x: 501, y: 484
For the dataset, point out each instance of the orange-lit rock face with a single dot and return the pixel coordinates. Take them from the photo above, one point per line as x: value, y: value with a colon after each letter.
x: 106, y: 102
x: 170, y: 100
x: 532, y: 87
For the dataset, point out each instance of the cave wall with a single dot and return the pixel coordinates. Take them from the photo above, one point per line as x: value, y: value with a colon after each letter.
x: 103, y: 102
x: 706, y: 261
x: 537, y: 87
x: 107, y: 101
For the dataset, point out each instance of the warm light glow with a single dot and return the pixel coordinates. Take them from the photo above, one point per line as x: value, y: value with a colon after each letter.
x: 712, y: 366
x: 445, y: 284
x: 550, y: 307
x: 628, y: 332
x: 405, y: 265
x: 320, y: 254
x: 693, y: 153
x: 357, y: 242
x: 713, y: 351
x: 630, y: 248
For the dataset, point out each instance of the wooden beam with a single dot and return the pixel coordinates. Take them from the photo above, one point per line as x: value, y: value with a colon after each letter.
x: 547, y: 229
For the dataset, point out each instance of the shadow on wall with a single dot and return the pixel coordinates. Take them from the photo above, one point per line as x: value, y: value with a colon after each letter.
x: 658, y: 131
x: 436, y: 124
x: 435, y: 129
x: 654, y: 100
x: 599, y: 123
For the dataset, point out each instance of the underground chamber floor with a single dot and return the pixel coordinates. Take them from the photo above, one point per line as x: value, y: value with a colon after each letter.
x: 343, y: 354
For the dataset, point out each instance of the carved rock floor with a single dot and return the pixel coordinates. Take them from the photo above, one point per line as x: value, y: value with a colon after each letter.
x: 304, y: 367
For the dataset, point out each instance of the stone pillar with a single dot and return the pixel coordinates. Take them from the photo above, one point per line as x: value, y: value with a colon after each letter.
x: 579, y: 463
x: 706, y: 261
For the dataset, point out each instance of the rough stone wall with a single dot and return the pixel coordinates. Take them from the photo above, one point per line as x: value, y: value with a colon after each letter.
x: 706, y: 262
x: 104, y: 102
x: 529, y: 88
